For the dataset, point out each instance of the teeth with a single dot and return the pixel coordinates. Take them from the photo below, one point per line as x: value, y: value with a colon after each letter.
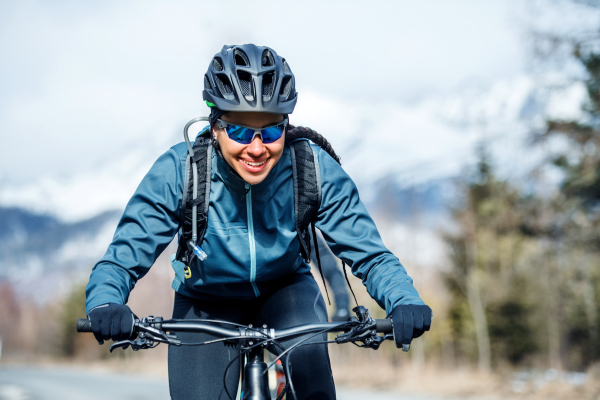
x: 254, y: 164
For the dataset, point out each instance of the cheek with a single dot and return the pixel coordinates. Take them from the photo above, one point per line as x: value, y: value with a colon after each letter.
x: 229, y: 147
x: 276, y: 150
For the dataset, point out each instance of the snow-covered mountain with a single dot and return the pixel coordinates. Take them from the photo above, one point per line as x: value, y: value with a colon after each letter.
x: 410, y: 144
x: 403, y: 158
x: 41, y: 256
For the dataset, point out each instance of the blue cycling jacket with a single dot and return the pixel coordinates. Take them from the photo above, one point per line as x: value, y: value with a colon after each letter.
x: 251, y: 236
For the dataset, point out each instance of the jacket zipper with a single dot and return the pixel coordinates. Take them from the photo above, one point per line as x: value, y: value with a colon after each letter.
x: 251, y: 239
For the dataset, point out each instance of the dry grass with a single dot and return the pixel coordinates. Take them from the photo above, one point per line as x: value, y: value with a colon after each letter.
x: 433, y: 380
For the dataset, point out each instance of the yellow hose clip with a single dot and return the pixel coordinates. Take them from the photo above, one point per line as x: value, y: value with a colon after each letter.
x: 188, y: 272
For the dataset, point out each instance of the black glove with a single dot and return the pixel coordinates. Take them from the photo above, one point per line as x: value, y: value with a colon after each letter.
x: 111, y: 321
x: 410, y: 321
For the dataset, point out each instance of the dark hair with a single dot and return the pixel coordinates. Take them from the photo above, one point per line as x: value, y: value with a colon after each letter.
x: 301, y: 132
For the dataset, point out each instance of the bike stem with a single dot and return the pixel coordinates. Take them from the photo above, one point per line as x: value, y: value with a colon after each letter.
x: 255, y: 385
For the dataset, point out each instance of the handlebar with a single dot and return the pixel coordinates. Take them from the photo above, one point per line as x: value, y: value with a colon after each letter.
x: 151, y: 330
x: 84, y: 325
x: 381, y: 326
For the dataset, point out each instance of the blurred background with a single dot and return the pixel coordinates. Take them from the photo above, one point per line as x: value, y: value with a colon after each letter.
x: 471, y: 129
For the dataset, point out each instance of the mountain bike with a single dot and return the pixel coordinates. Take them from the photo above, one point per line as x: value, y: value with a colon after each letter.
x: 361, y: 330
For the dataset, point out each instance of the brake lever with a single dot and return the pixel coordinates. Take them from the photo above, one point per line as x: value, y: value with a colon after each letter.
x: 157, y: 334
x: 137, y: 344
x: 355, y: 333
x: 388, y: 336
x: 145, y: 329
x: 364, y: 331
x: 122, y: 343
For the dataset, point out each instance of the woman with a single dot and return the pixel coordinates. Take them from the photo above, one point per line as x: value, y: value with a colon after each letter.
x: 253, y: 273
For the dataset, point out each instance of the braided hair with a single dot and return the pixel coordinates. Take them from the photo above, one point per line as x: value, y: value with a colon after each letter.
x: 301, y: 132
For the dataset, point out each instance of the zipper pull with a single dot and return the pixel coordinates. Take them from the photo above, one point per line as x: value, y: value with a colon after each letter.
x: 247, y: 187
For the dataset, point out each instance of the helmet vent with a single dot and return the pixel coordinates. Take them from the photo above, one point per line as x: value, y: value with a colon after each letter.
x: 224, y: 86
x: 267, y: 59
x: 241, y: 58
x: 217, y: 64
x: 246, y: 87
x: 268, y: 85
x: 286, y: 86
x: 249, y: 78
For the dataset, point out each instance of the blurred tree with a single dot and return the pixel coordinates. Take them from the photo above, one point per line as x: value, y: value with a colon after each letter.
x: 10, y: 314
x: 73, y: 307
x: 510, y: 333
x: 570, y: 227
x: 484, y: 253
x: 580, y: 191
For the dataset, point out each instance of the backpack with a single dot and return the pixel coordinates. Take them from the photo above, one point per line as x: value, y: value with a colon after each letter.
x: 307, y: 195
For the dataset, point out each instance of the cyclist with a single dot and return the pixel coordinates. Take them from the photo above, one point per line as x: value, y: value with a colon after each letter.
x: 254, y: 272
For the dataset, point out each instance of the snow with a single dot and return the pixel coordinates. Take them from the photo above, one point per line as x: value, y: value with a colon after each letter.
x: 413, y: 142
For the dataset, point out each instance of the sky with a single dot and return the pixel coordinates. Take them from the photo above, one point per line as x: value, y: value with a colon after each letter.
x: 92, y: 92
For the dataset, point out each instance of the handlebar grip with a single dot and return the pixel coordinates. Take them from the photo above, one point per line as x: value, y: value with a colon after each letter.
x: 84, y: 325
x: 384, y: 325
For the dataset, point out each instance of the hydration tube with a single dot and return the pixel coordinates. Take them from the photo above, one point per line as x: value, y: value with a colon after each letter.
x: 195, y: 248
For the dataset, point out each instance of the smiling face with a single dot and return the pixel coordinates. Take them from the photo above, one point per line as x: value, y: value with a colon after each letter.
x: 253, y: 161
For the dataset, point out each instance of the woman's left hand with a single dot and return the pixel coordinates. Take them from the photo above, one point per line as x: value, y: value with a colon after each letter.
x: 410, y: 321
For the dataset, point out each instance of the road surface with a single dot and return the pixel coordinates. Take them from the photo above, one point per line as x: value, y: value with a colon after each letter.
x: 62, y: 383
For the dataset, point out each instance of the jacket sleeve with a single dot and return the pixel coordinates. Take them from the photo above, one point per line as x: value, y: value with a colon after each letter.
x: 353, y: 237
x: 149, y: 223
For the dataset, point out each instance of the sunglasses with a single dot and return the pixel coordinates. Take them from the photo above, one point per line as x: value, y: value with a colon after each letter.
x: 246, y: 134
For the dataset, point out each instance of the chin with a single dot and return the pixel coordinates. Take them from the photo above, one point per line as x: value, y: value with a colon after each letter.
x: 253, y: 179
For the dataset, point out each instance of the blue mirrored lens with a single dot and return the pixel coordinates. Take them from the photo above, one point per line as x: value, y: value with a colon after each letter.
x: 272, y: 134
x: 240, y: 134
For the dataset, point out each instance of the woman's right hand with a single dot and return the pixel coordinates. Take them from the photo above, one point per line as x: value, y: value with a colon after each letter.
x: 111, y: 321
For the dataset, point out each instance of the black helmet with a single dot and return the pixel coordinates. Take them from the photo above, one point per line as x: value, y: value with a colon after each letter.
x: 250, y: 78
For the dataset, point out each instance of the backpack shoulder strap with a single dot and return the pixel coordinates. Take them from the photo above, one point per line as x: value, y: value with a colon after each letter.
x: 203, y: 158
x: 307, y: 191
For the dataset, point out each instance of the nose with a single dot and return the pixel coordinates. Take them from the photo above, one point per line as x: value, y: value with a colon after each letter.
x: 256, y: 148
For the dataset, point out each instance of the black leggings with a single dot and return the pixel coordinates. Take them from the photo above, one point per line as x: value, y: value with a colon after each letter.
x: 198, y: 371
